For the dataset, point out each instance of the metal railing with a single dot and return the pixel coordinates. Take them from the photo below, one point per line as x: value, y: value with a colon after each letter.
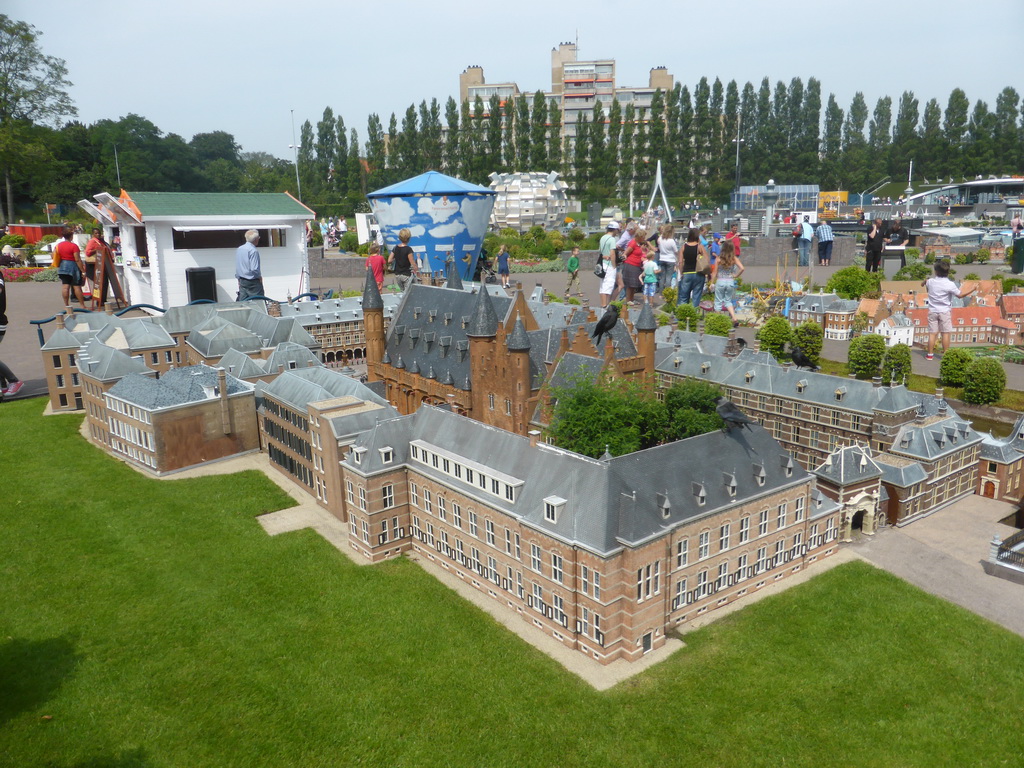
x: 1008, y: 553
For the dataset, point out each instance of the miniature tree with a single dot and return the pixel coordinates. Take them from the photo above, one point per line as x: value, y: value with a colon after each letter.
x: 896, y: 363
x: 953, y: 368
x: 853, y: 282
x: 717, y: 325
x: 866, y: 353
x: 688, y: 317
x: 774, y: 335
x: 860, y: 323
x: 810, y: 338
x: 985, y: 381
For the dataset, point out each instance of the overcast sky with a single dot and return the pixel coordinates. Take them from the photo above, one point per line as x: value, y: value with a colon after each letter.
x: 191, y: 66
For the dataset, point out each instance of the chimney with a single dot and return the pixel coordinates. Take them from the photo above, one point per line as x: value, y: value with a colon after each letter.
x: 225, y: 413
x: 60, y: 319
x: 534, y: 437
x: 876, y: 381
x: 940, y: 393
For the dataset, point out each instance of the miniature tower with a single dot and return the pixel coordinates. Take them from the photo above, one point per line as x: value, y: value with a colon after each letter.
x: 518, y: 375
x: 373, y: 322
x: 483, y: 363
x: 646, y: 325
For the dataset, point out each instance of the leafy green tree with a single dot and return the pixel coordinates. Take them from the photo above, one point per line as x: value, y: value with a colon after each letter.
x: 376, y: 157
x: 984, y: 382
x: 865, y: 355
x: 853, y: 282
x: 493, y: 161
x: 688, y: 317
x: 451, y: 140
x: 410, y: 150
x: 896, y: 364
x: 904, y: 135
x: 431, y: 144
x: 1008, y: 131
x: 691, y: 409
x: 856, y: 161
x: 932, y: 148
x: 555, y: 156
x: 832, y: 144
x: 774, y: 335
x: 33, y: 89
x: 538, y: 133
x: 953, y: 368
x: 717, y: 325
x: 954, y: 130
x: 916, y: 271
x: 325, y: 151
x: 810, y: 338
x: 860, y: 322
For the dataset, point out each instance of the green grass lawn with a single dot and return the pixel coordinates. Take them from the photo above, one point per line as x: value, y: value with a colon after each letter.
x: 149, y: 623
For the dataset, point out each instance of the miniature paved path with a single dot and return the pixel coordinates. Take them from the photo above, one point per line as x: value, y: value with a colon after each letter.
x: 942, y: 555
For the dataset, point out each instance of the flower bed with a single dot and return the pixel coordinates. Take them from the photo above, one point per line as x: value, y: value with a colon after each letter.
x: 534, y: 265
x: 20, y: 274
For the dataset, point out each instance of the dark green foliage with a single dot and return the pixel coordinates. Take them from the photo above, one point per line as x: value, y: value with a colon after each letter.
x: 854, y: 282
x: 688, y: 317
x: 915, y: 271
x: 624, y: 417
x: 953, y: 368
x: 717, y: 324
x: 896, y: 364
x: 810, y: 338
x: 865, y: 356
x: 984, y: 381
x: 774, y: 335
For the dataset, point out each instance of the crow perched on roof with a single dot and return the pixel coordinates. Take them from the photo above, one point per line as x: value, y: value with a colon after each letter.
x: 731, y: 415
x: 606, y: 323
x: 800, y: 360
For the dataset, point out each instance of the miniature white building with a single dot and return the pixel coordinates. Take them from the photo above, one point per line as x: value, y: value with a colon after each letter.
x: 163, y: 234
x: 527, y: 200
x: 896, y: 329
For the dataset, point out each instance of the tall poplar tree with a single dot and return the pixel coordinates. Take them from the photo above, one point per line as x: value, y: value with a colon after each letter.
x: 1008, y: 150
x: 493, y: 160
x: 410, y: 155
x: 832, y: 145
x: 855, y: 147
x: 933, y: 162
x: 451, y: 137
x: 555, y: 155
x: 431, y: 144
x: 904, y: 137
x: 376, y: 154
x: 523, y: 130
x: 538, y: 134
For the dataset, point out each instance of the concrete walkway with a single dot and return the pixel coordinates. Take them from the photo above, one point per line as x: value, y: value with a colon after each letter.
x: 942, y: 554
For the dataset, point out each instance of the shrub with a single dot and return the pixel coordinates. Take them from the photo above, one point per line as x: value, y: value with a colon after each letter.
x: 15, y: 241
x: 577, y: 235
x: 852, y: 282
x: 349, y: 242
x: 983, y: 255
x: 964, y: 258
x: 669, y: 294
x: 316, y: 237
x: 810, y: 338
x: 929, y: 258
x: 913, y: 253
x: 896, y: 363
x: 972, y: 276
x: 717, y: 325
x: 865, y: 356
x: 688, y: 317
x: 47, y: 239
x: 536, y: 234
x: 46, y: 276
x: 915, y: 271
x: 985, y: 381
x: 953, y: 368
x: 774, y: 335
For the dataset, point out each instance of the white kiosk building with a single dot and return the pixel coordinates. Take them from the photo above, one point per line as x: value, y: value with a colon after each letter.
x: 180, y: 246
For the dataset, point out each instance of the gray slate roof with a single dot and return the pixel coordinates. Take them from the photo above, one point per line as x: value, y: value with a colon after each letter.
x: 179, y: 386
x: 901, y: 473
x: 240, y: 365
x: 933, y: 440
x: 608, y: 504
x: 288, y: 356
x: 303, y: 386
x: 135, y: 334
x: 852, y: 464
x: 215, y: 336
x: 997, y: 449
x: 313, y: 313
x: 62, y: 338
x: 107, y: 364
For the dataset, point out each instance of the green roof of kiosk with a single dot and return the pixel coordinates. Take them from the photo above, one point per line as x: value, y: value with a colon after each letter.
x: 218, y: 204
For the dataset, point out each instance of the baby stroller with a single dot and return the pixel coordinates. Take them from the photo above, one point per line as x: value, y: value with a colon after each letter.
x: 333, y: 238
x: 484, y: 272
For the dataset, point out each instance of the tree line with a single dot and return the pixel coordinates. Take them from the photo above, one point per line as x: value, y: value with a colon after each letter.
x: 784, y: 132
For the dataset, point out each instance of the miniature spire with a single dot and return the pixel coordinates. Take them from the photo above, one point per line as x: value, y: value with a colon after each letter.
x: 484, y: 320
x: 454, y: 278
x: 518, y: 341
x: 371, y: 294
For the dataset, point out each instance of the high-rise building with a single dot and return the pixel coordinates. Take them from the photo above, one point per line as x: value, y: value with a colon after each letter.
x: 575, y: 87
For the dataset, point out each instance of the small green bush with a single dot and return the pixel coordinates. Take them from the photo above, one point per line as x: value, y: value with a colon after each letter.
x: 316, y: 237
x: 349, y: 242
x: 717, y: 324
x: 984, y: 381
x: 896, y: 364
x: 913, y: 253
x: 865, y: 355
x: 929, y: 258
x: 46, y: 276
x: 688, y: 317
x: 953, y: 368
x: 810, y: 338
x: 915, y: 271
x: 577, y: 235
x: 774, y: 335
x: 15, y: 241
x: 983, y: 255
x: 972, y: 276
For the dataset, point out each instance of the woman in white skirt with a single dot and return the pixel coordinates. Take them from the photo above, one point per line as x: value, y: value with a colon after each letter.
x: 609, y: 283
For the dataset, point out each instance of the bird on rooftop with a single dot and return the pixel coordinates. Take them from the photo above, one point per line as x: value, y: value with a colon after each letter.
x: 800, y: 359
x: 731, y: 415
x: 606, y: 323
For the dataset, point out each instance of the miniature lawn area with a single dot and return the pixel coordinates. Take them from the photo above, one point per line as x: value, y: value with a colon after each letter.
x: 154, y: 623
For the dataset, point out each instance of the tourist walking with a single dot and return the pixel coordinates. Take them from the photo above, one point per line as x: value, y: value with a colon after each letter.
x: 605, y: 269
x: 668, y: 253
x: 690, y: 280
x: 503, y: 269
x: 402, y: 262
x: 67, y: 257
x: 572, y: 266
x: 803, y: 242
x: 728, y: 272
x: 247, y: 267
x: 633, y: 264
x: 10, y: 383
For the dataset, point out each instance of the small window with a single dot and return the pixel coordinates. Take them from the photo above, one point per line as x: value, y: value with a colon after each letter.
x: 553, y: 506
x: 387, y: 455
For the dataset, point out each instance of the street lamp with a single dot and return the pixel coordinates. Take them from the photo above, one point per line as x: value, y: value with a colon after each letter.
x: 295, y: 148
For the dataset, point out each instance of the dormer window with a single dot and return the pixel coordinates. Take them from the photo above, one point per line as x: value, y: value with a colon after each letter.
x: 749, y: 376
x: 801, y: 386
x: 759, y: 474
x: 705, y: 367
x: 553, y: 506
x: 664, y: 506
x: 700, y: 494
x: 730, y: 484
x: 357, y: 455
x: 787, y: 465
x: 387, y: 455
x: 840, y: 393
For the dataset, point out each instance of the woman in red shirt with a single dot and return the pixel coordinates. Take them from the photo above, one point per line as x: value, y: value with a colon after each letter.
x: 375, y: 262
x: 70, y: 269
x: 633, y: 264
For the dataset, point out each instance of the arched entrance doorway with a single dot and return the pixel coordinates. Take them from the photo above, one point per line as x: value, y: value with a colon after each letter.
x: 989, y: 490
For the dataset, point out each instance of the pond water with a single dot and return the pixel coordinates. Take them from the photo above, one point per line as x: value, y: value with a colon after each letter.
x: 997, y: 428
